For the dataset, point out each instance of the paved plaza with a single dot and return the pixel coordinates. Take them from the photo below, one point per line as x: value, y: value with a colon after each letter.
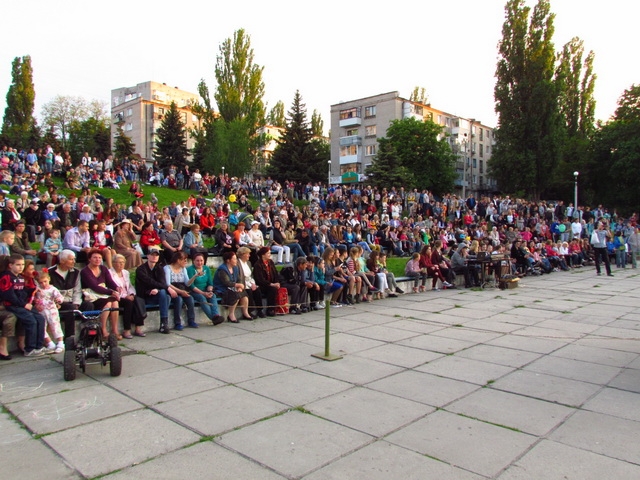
x: 538, y: 382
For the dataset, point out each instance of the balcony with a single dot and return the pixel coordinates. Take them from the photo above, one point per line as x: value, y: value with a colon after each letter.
x: 351, y: 140
x: 347, y: 159
x: 350, y: 122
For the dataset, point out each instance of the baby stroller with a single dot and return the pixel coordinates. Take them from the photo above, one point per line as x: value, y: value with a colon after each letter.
x: 91, y: 348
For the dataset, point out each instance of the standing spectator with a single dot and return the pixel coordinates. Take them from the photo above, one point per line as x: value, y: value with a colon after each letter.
x: 599, y: 239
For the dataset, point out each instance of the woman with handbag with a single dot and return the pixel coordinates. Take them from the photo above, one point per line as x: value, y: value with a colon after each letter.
x: 134, y: 311
x: 123, y: 243
x: 99, y: 288
x: 227, y: 285
x: 179, y: 289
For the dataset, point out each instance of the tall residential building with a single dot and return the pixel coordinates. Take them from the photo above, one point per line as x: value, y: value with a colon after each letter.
x: 141, y: 108
x: 356, y: 126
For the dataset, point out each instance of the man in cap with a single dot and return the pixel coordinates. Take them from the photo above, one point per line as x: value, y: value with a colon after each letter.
x: 151, y: 284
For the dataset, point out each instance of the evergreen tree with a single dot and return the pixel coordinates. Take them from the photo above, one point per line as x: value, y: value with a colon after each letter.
x: 317, y: 124
x: 123, y: 146
x: 19, y: 126
x: 296, y: 157
x: 276, y: 116
x: 387, y: 169
x: 529, y: 133
x: 171, y: 144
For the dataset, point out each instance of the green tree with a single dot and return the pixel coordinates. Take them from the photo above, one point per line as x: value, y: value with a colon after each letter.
x: 317, y: 124
x: 297, y: 157
x: 529, y: 133
x: 90, y: 135
x: 387, y: 169
x: 276, y: 116
x: 19, y: 127
x: 611, y: 176
x: 416, y: 147
x: 171, y: 144
x: 419, y: 95
x: 123, y: 146
x: 61, y: 111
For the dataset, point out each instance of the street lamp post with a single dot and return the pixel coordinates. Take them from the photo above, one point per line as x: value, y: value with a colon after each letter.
x: 329, y: 175
x: 575, y: 193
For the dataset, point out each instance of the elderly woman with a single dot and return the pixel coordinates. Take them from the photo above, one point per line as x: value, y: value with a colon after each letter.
x: 252, y: 289
x: 100, y: 289
x: 171, y: 240
x: 267, y: 278
x: 127, y: 293
x: 179, y: 289
x: 123, y: 244
x: 202, y: 288
x: 227, y: 285
x: 224, y: 239
x: 193, y: 242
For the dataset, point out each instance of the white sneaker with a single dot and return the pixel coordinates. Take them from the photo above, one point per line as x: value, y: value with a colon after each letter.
x: 446, y: 284
x: 59, y: 347
x: 51, y: 348
x: 36, y: 352
x: 321, y: 304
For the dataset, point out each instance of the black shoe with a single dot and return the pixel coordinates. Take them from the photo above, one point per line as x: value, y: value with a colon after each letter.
x: 399, y: 290
x: 233, y: 321
x: 295, y: 311
x: 164, y: 328
x: 261, y: 314
x: 271, y: 312
x: 250, y: 317
x: 304, y: 310
x: 217, y: 320
x: 609, y: 274
x: 5, y: 357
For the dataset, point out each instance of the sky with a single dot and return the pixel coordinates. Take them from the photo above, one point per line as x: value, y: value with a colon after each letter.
x: 331, y: 51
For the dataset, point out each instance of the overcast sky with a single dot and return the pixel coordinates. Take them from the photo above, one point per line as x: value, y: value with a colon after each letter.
x: 331, y: 51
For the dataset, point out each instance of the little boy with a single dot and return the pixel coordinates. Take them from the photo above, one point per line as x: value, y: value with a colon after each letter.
x: 19, y: 302
x: 53, y: 247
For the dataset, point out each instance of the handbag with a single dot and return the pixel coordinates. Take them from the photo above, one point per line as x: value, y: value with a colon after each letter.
x: 91, y: 296
x: 594, y: 238
x: 139, y: 308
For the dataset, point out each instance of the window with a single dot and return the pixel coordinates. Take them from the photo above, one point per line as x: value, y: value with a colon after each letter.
x: 351, y: 132
x: 369, y: 150
x: 487, y: 149
x: 481, y: 151
x: 481, y: 168
x: 370, y: 131
x: 350, y: 150
x: 129, y: 127
x: 370, y: 111
x: 349, y: 113
x: 488, y: 134
x: 481, y: 134
x: 418, y: 109
x: 129, y: 112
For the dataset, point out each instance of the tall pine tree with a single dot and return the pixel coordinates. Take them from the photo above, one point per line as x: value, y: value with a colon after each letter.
x: 529, y: 133
x: 19, y: 127
x: 123, y: 146
x: 171, y: 143
x: 296, y: 157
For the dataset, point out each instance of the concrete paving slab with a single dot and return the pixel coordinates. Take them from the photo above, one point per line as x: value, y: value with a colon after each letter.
x: 147, y: 435
x: 465, y: 369
x: 354, y: 369
x: 53, y: 413
x: 383, y: 461
x: 192, y: 353
x: 467, y: 334
x: 528, y: 344
x: 417, y: 326
x: 635, y: 363
x: 164, y: 385
x: 132, y: 366
x: 592, y: 431
x: 38, y: 383
x: 345, y: 343
x: 399, y: 355
x: 339, y: 324
x: 437, y: 344
x: 249, y: 342
x: 473, y: 445
x: 493, y: 324
x: 238, y: 368
x: 502, y: 356
x: 295, y: 387
x: 291, y: 354
x: 424, y: 388
x: 471, y: 313
x: 369, y: 411
x: 565, y: 324
x: 219, y: 410
x: 382, y: 333
x: 202, y: 461
x: 295, y: 443
x: 525, y: 414
x: 547, y: 387
x: 156, y: 341
x: 20, y: 364
x: 537, y: 332
x: 629, y: 379
x: 630, y: 345
x: 555, y: 461
x: 618, y: 403
x: 601, y: 356
x: 574, y: 369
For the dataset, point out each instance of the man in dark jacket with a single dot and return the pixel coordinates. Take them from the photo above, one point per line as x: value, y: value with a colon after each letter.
x: 151, y: 284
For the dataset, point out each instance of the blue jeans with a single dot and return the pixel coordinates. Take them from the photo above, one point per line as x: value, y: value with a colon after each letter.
x: 208, y: 305
x: 33, y: 324
x: 177, y: 307
x: 162, y: 300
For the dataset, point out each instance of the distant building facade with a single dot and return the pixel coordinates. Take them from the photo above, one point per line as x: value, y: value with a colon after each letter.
x: 141, y: 108
x: 356, y: 126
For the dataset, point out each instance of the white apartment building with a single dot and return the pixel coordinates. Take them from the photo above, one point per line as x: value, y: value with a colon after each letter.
x: 356, y: 126
x: 141, y: 108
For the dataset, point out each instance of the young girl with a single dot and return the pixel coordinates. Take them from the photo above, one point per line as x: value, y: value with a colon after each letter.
x: 53, y: 247
x: 48, y: 298
x: 413, y: 270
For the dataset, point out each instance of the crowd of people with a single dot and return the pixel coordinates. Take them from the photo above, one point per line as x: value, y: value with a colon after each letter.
x: 335, y: 246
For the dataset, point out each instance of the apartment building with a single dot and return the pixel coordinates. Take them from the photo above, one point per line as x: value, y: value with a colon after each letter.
x: 141, y: 108
x: 356, y: 126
